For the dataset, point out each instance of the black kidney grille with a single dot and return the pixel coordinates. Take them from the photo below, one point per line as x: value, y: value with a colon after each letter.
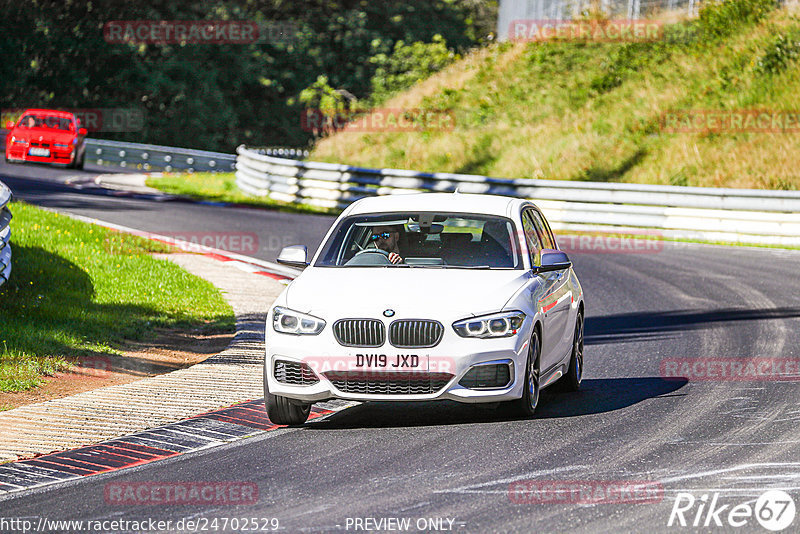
x: 360, y: 332
x: 415, y: 333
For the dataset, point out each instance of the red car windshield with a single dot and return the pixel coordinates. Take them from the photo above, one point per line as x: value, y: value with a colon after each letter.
x: 45, y: 121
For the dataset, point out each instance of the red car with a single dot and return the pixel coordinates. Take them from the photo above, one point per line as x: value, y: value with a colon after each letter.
x: 46, y: 136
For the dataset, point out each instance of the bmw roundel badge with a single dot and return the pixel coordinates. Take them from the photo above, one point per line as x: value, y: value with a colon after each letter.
x: 388, y: 313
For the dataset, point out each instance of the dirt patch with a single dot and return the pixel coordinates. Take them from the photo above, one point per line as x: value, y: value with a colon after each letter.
x: 171, y: 350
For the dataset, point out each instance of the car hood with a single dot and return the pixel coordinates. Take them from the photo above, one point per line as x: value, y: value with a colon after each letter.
x: 47, y: 134
x: 333, y: 293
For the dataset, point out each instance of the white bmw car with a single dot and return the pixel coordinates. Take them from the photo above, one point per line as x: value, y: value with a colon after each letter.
x: 426, y: 297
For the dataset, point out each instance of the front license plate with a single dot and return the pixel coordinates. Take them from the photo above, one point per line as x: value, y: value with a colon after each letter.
x: 45, y: 152
x: 391, y: 362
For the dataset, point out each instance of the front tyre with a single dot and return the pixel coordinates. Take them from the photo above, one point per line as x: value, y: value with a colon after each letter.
x: 283, y: 411
x: 79, y: 163
x: 530, y: 396
x: 572, y: 380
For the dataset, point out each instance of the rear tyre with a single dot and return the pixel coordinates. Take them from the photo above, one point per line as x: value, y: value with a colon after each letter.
x: 283, y: 411
x: 572, y: 380
x: 530, y: 396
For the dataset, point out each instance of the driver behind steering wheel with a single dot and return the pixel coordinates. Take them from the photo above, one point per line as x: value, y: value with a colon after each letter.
x: 387, y: 238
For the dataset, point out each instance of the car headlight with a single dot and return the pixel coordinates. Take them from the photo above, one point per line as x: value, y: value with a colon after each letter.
x: 288, y: 321
x: 60, y: 145
x: 18, y: 141
x: 505, y: 324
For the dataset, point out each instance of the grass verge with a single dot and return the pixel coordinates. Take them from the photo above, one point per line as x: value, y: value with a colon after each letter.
x: 80, y: 291
x: 221, y: 187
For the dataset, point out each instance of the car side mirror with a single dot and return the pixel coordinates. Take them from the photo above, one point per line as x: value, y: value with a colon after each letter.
x: 553, y: 260
x: 294, y: 256
x: 9, y: 125
x: 82, y: 131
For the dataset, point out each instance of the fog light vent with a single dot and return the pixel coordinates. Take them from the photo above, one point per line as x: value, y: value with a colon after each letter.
x: 294, y: 373
x: 491, y: 376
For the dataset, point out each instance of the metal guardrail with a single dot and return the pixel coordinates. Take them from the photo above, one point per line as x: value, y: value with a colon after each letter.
x: 5, y: 234
x: 710, y: 214
x: 281, y: 152
x: 151, y: 158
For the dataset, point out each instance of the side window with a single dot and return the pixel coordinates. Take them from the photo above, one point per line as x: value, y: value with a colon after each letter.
x: 532, y: 237
x: 544, y: 230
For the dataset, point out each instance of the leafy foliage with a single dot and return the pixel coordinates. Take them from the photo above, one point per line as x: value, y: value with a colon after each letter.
x: 215, y: 96
x: 722, y: 18
x: 785, y: 49
x: 408, y: 64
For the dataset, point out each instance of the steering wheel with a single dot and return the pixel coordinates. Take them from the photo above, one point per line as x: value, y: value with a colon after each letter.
x: 370, y: 256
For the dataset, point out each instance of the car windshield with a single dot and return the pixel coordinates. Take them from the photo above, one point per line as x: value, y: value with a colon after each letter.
x: 425, y: 240
x: 45, y: 121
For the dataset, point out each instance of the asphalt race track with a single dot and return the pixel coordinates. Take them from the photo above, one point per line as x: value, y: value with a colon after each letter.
x: 442, y: 461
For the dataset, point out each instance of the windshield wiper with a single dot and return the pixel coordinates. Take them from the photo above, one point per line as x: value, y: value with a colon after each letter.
x: 438, y: 266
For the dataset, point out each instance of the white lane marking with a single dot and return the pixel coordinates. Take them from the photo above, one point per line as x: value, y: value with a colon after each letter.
x: 14, y: 469
x: 472, y: 488
x: 785, y: 476
x: 246, y: 267
x: 739, y: 444
x: 727, y: 470
x: 755, y: 491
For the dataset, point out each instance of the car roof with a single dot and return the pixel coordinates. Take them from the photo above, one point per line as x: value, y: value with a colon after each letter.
x: 53, y: 112
x: 436, y: 202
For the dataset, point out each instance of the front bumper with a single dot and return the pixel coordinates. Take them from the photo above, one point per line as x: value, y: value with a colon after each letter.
x: 454, y: 356
x: 58, y: 157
